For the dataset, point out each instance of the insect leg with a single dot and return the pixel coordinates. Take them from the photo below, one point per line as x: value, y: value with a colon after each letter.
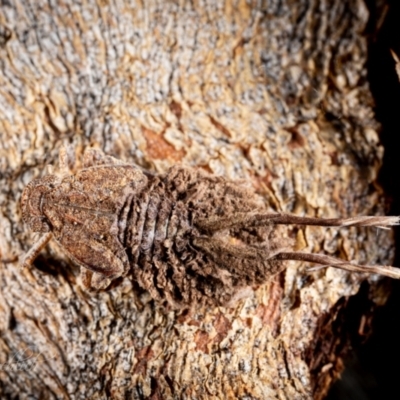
x: 214, y: 246
x: 242, y: 220
x: 100, y: 281
x: 94, y: 280
x: 35, y: 250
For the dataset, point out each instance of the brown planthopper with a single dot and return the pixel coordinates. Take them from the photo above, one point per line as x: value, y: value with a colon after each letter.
x: 185, y: 236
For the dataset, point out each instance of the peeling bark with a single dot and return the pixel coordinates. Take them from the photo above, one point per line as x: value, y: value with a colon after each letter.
x: 275, y: 93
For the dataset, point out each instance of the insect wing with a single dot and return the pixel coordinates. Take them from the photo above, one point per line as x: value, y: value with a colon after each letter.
x: 112, y: 178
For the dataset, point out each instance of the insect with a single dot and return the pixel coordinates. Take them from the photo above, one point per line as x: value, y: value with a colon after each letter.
x: 186, y: 236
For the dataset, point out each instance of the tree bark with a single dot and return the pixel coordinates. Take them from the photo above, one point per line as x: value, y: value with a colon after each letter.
x: 272, y: 92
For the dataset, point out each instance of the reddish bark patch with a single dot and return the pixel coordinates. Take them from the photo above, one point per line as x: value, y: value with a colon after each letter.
x: 193, y: 322
x: 297, y: 139
x: 269, y: 313
x: 176, y: 109
x: 259, y: 182
x: 220, y: 127
x: 248, y: 322
x: 206, y: 168
x: 143, y: 356
x: 186, y: 316
x: 222, y: 326
x: 202, y: 339
x: 158, y: 148
x: 334, y: 157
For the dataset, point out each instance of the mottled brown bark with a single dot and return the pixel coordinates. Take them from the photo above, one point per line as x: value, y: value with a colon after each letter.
x: 271, y: 92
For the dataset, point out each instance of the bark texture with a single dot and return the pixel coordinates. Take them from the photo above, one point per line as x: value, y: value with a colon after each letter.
x: 272, y: 92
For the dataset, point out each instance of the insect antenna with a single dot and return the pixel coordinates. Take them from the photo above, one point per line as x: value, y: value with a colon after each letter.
x: 329, y: 261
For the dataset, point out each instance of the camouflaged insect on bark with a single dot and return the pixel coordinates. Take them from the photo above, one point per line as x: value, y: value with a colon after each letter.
x: 111, y: 218
x: 185, y: 236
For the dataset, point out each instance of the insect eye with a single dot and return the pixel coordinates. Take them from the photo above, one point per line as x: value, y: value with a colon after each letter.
x: 36, y: 203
